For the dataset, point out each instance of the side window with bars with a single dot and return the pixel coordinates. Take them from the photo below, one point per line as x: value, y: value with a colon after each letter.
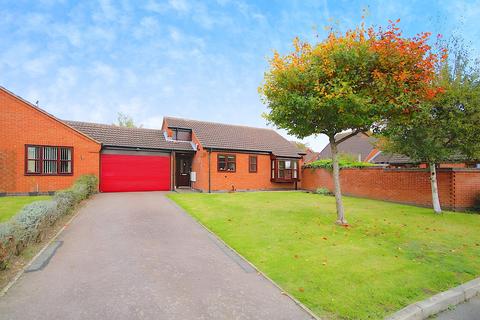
x: 48, y: 160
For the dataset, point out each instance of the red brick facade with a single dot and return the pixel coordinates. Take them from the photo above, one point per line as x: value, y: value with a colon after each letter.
x: 241, y: 179
x: 459, y: 188
x: 22, y: 124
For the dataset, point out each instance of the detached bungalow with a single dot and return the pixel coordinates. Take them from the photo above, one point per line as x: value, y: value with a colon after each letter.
x: 40, y: 153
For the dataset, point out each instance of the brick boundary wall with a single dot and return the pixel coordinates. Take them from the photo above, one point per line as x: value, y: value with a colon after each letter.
x: 459, y: 189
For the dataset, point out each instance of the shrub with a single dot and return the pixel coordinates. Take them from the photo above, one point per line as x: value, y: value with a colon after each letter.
x: 32, y: 219
x: 323, y: 191
x: 31, y: 223
x: 65, y: 200
x: 7, y: 244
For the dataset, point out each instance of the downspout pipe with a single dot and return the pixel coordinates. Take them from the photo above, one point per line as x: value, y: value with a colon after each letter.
x: 209, y: 173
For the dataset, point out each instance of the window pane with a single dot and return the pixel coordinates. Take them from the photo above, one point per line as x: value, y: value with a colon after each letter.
x: 65, y: 154
x: 222, y: 163
x: 65, y: 167
x: 33, y: 152
x: 281, y: 165
x: 231, y: 166
x: 50, y: 153
x: 49, y: 166
x: 231, y: 158
x: 295, y: 174
x: 288, y: 164
x: 33, y: 166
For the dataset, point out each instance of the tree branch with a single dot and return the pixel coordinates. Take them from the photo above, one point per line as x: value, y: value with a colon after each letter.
x: 348, y: 136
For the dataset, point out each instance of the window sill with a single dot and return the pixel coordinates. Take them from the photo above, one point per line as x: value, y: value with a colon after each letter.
x: 49, y: 175
x: 284, y: 180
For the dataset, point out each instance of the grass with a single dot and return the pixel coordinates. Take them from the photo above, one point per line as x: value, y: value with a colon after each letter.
x: 391, y: 255
x: 9, y: 206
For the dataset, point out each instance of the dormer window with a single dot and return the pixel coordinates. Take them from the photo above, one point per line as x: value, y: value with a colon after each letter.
x: 181, y: 134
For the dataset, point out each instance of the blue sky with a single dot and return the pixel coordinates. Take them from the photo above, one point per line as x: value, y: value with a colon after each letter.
x: 204, y: 60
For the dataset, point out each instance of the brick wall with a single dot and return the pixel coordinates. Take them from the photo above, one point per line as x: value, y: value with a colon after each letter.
x: 239, y: 180
x: 458, y: 188
x: 21, y: 124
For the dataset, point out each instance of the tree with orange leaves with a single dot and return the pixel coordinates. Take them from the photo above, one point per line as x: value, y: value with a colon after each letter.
x: 350, y: 81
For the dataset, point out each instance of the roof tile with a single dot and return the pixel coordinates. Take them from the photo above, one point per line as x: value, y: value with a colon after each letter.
x: 235, y: 137
x: 111, y: 135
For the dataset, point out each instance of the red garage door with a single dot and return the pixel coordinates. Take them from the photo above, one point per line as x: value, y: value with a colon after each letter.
x: 121, y: 172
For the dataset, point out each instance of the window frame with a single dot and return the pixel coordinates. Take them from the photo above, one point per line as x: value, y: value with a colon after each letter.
x: 250, y: 163
x: 226, y: 155
x: 293, y: 172
x: 175, y: 132
x: 41, y: 160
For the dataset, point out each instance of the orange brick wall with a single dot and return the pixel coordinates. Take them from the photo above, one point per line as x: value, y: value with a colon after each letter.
x: 200, y: 166
x: 21, y: 124
x: 458, y: 188
x: 242, y: 179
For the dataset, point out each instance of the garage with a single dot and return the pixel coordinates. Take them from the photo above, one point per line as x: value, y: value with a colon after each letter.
x: 135, y: 171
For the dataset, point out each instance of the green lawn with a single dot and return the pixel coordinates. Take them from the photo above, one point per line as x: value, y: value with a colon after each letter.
x: 9, y: 206
x: 391, y: 256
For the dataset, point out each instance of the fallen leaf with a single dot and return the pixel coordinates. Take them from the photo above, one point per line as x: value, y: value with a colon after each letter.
x: 301, y: 289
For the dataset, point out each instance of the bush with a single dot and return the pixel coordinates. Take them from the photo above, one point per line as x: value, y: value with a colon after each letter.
x: 323, y: 191
x: 31, y: 223
x: 65, y: 200
x: 7, y: 244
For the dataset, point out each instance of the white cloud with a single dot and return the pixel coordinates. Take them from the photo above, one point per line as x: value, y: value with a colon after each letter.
x: 104, y: 73
x: 179, y: 5
x: 40, y: 65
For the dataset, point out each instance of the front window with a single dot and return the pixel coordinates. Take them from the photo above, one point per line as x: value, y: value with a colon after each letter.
x: 284, y: 170
x: 252, y: 164
x: 48, y: 160
x: 226, y: 162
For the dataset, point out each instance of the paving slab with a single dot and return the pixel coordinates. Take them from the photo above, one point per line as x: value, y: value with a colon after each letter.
x: 138, y: 256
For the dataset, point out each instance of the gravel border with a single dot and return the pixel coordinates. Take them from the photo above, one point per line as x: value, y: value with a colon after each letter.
x: 423, y: 309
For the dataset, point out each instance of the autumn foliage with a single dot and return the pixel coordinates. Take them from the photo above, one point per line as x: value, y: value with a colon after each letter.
x: 357, y: 80
x: 365, y: 71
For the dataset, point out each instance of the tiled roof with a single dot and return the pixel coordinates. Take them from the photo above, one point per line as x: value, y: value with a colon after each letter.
x: 395, y: 158
x: 311, y: 156
x: 234, y: 137
x: 360, y: 144
x: 392, y: 158
x: 111, y: 135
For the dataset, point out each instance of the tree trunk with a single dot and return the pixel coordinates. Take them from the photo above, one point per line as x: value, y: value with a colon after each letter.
x: 433, y: 181
x: 336, y: 182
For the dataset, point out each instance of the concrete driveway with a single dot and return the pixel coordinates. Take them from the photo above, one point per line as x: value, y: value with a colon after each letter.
x: 138, y: 256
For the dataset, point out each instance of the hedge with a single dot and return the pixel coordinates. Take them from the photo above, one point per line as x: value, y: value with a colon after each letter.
x: 32, y: 222
x: 343, y: 163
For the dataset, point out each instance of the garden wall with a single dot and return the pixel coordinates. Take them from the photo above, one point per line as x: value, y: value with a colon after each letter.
x: 459, y: 188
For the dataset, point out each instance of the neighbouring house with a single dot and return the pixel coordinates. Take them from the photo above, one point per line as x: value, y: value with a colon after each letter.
x: 40, y: 153
x: 362, y: 147
x: 310, y: 156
